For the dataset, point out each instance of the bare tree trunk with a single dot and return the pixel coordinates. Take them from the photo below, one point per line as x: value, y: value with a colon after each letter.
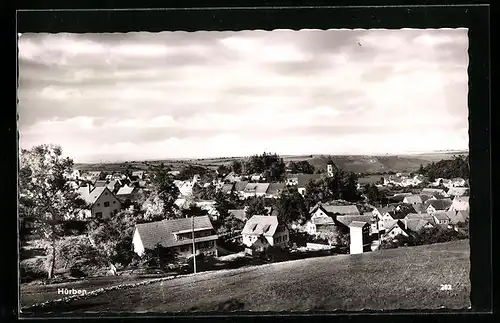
x: 53, y: 260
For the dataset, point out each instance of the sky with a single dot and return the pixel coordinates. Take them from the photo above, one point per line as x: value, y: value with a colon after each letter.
x: 149, y: 96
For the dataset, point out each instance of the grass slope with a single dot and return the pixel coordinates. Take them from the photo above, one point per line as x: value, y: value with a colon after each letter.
x: 358, y: 164
x: 405, y: 278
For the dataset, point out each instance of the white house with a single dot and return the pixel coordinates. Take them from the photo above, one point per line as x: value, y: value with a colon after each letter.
x: 442, y: 218
x: 412, y: 199
x: 267, y: 226
x: 460, y: 203
x: 103, y: 203
x: 359, y: 236
x: 255, y: 189
x: 177, y: 234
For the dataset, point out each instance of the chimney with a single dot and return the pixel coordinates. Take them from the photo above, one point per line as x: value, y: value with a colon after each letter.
x: 406, y: 224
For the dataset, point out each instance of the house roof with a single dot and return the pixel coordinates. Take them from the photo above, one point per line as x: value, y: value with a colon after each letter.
x: 162, y: 232
x: 341, y: 209
x: 100, y: 183
x: 322, y: 220
x: 439, y: 204
x: 226, y: 188
x: 458, y: 191
x: 261, y: 224
x: 138, y: 173
x: 240, y: 186
x: 419, y: 207
x: 388, y: 224
x: 256, y: 188
x: 415, y: 225
x: 91, y: 196
x: 443, y: 215
x: 464, y: 213
x: 240, y: 214
x: 433, y: 191
x: 413, y: 199
x: 275, y: 188
x: 358, y: 224
x: 425, y: 197
x: 385, y: 209
x: 347, y: 219
x: 125, y: 190
x: 457, y: 216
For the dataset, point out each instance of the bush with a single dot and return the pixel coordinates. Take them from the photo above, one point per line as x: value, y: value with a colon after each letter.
x: 32, y: 269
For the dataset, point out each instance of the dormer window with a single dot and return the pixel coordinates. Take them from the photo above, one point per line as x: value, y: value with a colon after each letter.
x: 254, y: 227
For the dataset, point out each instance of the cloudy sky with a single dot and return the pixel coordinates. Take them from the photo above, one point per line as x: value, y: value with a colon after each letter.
x: 132, y: 96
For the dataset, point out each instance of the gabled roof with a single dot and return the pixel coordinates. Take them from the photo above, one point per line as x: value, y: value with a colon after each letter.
x: 413, y: 199
x: 322, y: 220
x: 358, y: 224
x: 239, y: 186
x: 163, y: 232
x: 347, y: 219
x: 257, y: 223
x: 461, y: 199
x: 458, y: 191
x: 385, y: 209
x: 125, y: 190
x: 442, y: 215
x: 341, y: 209
x: 433, y: 191
x: 256, y: 188
x: 415, y: 225
x: 227, y: 188
x: 91, y: 196
x: 457, y: 217
x: 240, y: 214
x: 425, y: 197
x: 439, y: 204
x: 100, y: 183
x: 275, y: 188
x: 419, y: 207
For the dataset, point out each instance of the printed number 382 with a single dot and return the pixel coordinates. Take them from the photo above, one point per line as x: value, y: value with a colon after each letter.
x: 445, y: 287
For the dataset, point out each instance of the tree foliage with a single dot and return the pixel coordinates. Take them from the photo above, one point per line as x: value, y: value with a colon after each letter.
x: 189, y: 171
x: 372, y: 192
x: 237, y: 167
x: 271, y: 166
x: 256, y: 206
x: 291, y: 207
x: 342, y: 185
x: 160, y: 204
x: 302, y: 166
x: 458, y: 166
x: 45, y: 193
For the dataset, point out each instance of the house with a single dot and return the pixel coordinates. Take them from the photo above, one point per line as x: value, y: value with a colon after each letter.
x: 319, y: 219
x: 425, y: 197
x: 240, y: 214
x: 208, y: 206
x: 239, y: 187
x: 420, y: 208
x: 103, y: 203
x: 227, y: 188
x: 458, y: 217
x: 438, y: 205
x: 174, y: 172
x: 359, y: 237
x: 255, y: 189
x: 420, y: 216
x: 442, y: 218
x: 415, y: 225
x: 457, y: 182
x: 458, y: 191
x: 113, y: 186
x: 138, y: 174
x: 100, y: 183
x: 412, y: 199
x: 232, y: 177
x: 328, y: 209
x: 256, y: 177
x: 383, y: 214
x: 268, y: 226
x: 126, y: 192
x: 177, y: 235
x: 460, y: 204
x: 274, y: 190
x: 434, y: 191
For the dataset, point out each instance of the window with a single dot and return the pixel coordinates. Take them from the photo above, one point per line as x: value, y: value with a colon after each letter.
x: 106, y: 204
x: 98, y: 215
x: 98, y: 204
x: 114, y: 202
x: 106, y: 193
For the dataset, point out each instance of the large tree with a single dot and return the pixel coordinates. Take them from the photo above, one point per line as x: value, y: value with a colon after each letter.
x: 237, y: 166
x: 291, y: 207
x: 45, y: 193
x: 160, y: 204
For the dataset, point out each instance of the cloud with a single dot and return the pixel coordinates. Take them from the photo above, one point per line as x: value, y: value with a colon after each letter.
x: 175, y: 94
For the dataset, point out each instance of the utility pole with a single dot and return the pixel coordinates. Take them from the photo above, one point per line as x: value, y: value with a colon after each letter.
x: 194, y: 246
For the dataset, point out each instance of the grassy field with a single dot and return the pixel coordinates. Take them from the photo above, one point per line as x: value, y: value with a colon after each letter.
x: 405, y: 278
x: 358, y: 164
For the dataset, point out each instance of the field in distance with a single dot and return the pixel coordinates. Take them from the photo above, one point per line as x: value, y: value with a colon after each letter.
x: 353, y: 163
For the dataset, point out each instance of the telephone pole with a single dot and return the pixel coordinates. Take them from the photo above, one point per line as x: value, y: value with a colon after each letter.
x: 194, y: 245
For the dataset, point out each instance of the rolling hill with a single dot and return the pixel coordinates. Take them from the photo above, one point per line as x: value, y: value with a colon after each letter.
x: 403, y: 278
x: 354, y: 163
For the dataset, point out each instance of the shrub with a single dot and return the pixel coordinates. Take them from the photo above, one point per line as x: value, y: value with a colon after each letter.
x: 32, y: 269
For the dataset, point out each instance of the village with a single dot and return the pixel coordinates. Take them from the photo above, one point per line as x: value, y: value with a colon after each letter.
x: 232, y: 217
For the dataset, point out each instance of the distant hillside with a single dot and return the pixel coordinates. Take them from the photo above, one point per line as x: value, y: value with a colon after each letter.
x: 358, y: 164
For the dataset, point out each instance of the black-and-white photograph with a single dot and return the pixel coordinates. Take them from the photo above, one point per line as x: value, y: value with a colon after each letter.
x: 264, y: 171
